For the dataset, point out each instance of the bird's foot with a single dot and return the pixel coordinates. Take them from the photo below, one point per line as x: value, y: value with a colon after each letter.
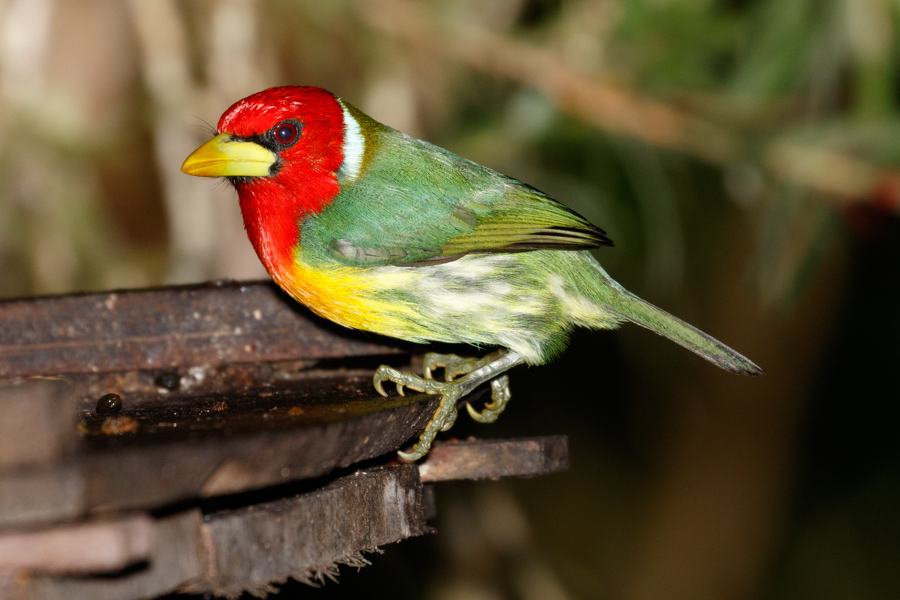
x: 445, y: 415
x: 454, y: 366
x: 461, y: 377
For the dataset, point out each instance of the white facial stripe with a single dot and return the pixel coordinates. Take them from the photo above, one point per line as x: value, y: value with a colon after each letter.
x: 354, y: 147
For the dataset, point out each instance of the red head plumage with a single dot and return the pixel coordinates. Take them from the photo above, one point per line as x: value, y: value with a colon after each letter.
x: 311, y: 122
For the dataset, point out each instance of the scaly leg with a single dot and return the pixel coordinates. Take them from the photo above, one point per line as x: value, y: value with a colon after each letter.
x: 454, y: 366
x: 451, y: 392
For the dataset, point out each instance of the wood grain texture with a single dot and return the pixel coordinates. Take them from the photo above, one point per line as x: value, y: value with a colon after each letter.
x: 168, y: 327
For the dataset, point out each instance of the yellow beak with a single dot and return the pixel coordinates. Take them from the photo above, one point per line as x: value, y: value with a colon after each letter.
x: 224, y: 157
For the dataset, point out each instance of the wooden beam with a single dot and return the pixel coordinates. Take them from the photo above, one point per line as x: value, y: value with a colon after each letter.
x: 101, y: 546
x: 490, y: 459
x: 171, y: 327
x: 184, y: 448
x: 37, y: 419
x: 177, y: 558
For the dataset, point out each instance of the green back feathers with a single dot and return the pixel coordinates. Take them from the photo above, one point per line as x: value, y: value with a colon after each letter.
x: 415, y: 203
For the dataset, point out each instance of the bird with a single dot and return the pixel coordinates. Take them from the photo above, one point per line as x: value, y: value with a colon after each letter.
x: 380, y: 231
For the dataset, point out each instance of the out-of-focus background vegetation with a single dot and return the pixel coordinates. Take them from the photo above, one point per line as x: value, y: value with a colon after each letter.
x: 743, y: 154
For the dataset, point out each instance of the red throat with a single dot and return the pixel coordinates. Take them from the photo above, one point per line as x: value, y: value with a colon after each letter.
x: 273, y: 213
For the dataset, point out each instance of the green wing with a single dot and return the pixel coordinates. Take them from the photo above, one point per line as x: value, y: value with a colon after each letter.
x: 418, y: 204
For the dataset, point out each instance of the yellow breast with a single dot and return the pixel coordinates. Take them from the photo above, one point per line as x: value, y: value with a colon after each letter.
x: 356, y: 297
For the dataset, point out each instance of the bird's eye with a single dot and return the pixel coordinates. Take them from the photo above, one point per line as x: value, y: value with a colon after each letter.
x: 286, y: 133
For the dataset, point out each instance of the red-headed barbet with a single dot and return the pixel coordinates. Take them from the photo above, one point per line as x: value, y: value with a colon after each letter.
x: 380, y: 231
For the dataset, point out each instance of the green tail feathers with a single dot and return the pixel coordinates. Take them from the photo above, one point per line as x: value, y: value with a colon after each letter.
x: 636, y: 310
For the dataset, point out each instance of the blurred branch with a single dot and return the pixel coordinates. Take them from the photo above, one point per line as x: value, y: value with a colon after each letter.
x: 825, y: 170
x: 607, y: 105
x: 616, y: 109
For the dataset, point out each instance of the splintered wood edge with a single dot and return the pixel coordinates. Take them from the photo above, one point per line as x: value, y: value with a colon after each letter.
x: 228, y: 552
x: 305, y: 537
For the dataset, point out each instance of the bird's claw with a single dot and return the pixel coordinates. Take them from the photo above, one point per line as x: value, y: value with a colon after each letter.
x: 499, y: 398
x: 445, y: 415
x: 471, y: 373
x: 403, y: 379
x: 450, y: 419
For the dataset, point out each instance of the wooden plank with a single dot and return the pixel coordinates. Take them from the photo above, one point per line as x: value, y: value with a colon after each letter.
x: 45, y: 495
x: 490, y: 459
x: 102, y: 546
x: 177, y: 558
x: 182, y: 449
x: 304, y: 537
x: 37, y: 422
x: 168, y: 328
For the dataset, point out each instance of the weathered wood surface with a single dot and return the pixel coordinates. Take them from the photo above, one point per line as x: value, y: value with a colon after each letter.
x: 272, y: 535
x: 187, y: 446
x: 236, y: 405
x: 164, y: 328
x: 36, y: 423
x: 305, y: 537
x: 490, y: 459
x: 302, y: 536
x: 177, y: 559
x: 106, y: 545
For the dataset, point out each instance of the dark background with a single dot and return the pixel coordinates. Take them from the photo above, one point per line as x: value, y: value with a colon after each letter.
x: 743, y: 156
